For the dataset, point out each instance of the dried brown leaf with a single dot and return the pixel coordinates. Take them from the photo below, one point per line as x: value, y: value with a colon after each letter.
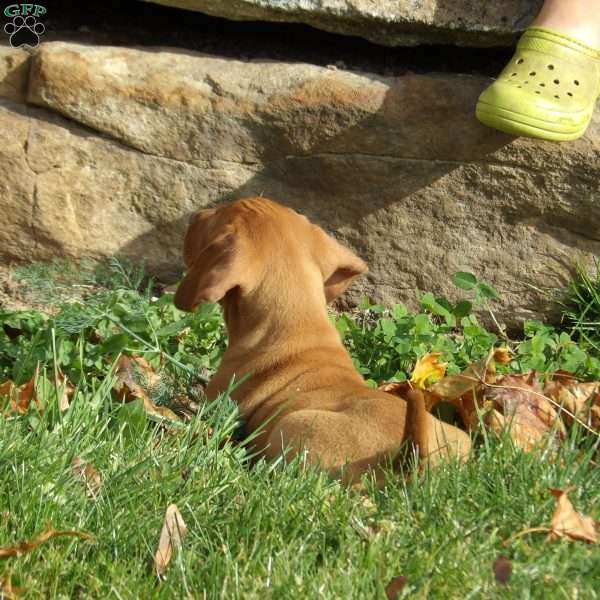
x: 28, y: 546
x: 88, y: 475
x: 66, y: 390
x: 184, y: 407
x: 6, y: 388
x: 567, y: 522
x: 580, y: 400
x: 466, y: 390
x: 502, y: 569
x: 7, y: 591
x: 20, y: 397
x: 172, y: 533
x: 526, y: 413
x: 394, y: 587
x: 126, y: 386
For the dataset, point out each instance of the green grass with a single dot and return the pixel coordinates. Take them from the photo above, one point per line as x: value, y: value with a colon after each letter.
x: 582, y: 306
x: 263, y: 530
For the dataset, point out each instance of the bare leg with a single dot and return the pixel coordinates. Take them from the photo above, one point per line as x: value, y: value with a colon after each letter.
x: 577, y: 18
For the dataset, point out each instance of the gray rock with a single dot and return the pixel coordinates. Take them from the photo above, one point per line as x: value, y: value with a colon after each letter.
x: 463, y: 22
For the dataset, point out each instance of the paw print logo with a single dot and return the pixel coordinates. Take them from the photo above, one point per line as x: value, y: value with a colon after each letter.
x: 24, y: 31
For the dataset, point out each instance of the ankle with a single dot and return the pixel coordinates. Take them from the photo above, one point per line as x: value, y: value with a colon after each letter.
x: 586, y: 33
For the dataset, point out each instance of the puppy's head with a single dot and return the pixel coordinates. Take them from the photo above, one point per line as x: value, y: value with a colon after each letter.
x: 255, y: 244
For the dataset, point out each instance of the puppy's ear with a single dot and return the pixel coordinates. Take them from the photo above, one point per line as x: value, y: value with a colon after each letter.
x: 213, y: 254
x: 340, y: 266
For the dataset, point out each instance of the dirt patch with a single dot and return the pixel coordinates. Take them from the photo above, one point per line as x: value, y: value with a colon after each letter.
x: 13, y: 297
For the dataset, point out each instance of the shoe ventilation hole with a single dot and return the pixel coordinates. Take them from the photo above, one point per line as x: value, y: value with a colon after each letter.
x: 526, y: 82
x: 551, y: 67
x: 557, y: 96
x: 532, y: 73
x: 576, y: 82
x: 519, y: 86
x: 556, y: 81
x: 538, y: 92
x: 513, y: 74
x: 520, y: 61
x: 569, y: 94
x: 542, y: 85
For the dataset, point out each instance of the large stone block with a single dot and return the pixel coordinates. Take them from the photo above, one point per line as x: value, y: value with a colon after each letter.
x: 396, y: 167
x: 463, y: 22
x: 14, y: 71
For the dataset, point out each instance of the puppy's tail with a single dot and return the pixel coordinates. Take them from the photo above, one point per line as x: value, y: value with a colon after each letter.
x: 418, y: 422
x: 434, y: 440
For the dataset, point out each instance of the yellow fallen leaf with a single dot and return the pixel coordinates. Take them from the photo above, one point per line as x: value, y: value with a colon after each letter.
x: 172, y: 533
x: 428, y: 370
x: 502, y: 355
x: 28, y: 546
x: 567, y: 522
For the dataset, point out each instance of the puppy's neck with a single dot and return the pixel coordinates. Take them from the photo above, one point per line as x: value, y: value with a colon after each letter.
x: 271, y: 330
x: 288, y: 321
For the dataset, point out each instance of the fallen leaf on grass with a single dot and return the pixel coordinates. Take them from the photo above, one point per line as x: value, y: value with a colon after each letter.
x: 567, y: 522
x: 7, y: 591
x: 88, y: 475
x: 502, y: 569
x: 394, y: 587
x: 66, y: 390
x: 520, y: 407
x: 20, y: 397
x: 466, y: 390
x: 579, y: 400
x: 172, y: 533
x: 28, y: 546
x: 428, y: 370
x: 481, y: 372
x: 185, y: 407
x: 513, y: 403
x: 128, y: 371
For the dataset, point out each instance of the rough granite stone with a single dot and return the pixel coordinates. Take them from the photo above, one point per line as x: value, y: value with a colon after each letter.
x: 396, y: 167
x: 411, y: 22
x: 14, y: 71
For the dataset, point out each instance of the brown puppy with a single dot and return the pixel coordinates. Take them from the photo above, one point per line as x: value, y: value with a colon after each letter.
x: 274, y: 273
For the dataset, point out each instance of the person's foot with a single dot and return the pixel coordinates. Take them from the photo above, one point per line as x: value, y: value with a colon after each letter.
x: 548, y: 90
x: 577, y: 19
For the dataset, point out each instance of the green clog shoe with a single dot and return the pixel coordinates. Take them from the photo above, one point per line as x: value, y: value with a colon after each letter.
x: 548, y: 90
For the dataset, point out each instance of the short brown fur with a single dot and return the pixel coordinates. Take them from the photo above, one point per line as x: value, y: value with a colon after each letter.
x: 274, y: 273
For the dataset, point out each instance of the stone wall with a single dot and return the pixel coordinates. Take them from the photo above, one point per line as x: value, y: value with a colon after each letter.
x: 391, y: 23
x: 107, y: 150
